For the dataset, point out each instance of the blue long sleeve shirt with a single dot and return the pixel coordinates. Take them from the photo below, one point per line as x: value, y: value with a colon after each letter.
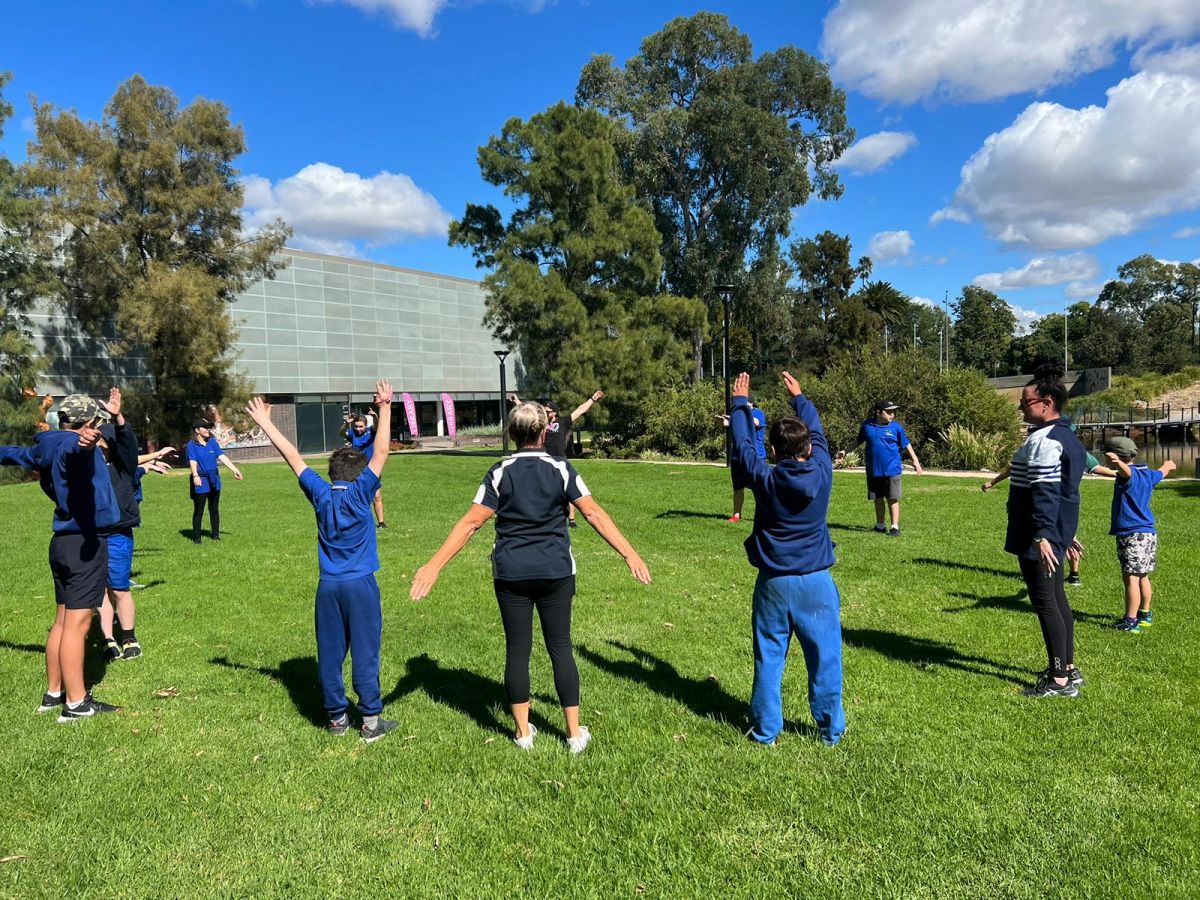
x: 791, y: 500
x: 74, y: 478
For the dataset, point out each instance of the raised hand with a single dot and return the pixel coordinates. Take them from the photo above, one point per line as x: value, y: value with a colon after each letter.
x: 113, y: 406
x: 793, y: 386
x: 598, y: 396
x: 259, y: 410
x: 383, y: 392
x: 741, y: 385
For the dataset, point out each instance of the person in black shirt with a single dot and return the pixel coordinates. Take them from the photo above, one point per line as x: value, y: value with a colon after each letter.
x: 558, y: 431
x: 532, y: 566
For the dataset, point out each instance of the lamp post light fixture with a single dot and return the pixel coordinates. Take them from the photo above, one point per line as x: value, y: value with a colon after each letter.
x: 725, y: 292
x: 502, y: 355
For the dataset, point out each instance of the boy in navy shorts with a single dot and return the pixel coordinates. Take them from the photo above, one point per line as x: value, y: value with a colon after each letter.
x: 1133, y: 527
x: 349, y: 614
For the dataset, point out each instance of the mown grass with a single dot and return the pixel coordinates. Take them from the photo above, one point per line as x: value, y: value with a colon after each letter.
x: 948, y: 784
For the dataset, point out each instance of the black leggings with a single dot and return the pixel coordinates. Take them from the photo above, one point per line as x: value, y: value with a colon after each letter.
x: 214, y: 513
x: 1049, y: 600
x: 552, y: 597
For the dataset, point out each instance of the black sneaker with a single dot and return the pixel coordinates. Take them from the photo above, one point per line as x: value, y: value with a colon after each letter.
x: 1074, y: 676
x: 131, y: 650
x: 1074, y: 578
x: 1047, y: 687
x: 381, y: 525
x: 895, y: 532
x: 339, y: 726
x: 880, y: 529
x: 49, y: 702
x: 370, y: 735
x: 112, y: 650
x: 574, y: 524
x: 85, y: 710
x: 196, y: 541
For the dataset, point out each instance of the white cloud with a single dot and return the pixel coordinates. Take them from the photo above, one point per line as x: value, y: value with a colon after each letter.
x: 1041, y: 271
x: 875, y: 151
x: 1178, y: 60
x: 412, y: 15
x: 1025, y: 319
x: 1187, y: 232
x: 889, y: 246
x: 905, y: 50
x: 949, y: 214
x: 1079, y: 290
x: 1059, y: 177
x: 330, y: 209
x: 925, y: 301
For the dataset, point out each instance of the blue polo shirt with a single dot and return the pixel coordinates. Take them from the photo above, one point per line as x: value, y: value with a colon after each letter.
x: 883, y: 446
x: 346, y: 546
x: 205, y: 456
x: 1131, y: 501
x: 364, y: 442
x: 760, y: 432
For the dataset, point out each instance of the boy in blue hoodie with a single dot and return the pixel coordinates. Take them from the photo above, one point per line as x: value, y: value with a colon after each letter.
x: 791, y: 548
x: 73, y: 474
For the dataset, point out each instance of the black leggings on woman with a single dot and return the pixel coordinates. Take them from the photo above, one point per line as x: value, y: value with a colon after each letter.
x: 552, y: 597
x: 1049, y: 599
x: 214, y: 513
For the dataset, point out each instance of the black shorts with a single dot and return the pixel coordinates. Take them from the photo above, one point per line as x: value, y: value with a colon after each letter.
x: 883, y: 487
x: 79, y: 565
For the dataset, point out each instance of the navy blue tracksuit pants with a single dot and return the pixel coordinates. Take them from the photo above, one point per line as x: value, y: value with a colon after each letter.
x: 349, y: 617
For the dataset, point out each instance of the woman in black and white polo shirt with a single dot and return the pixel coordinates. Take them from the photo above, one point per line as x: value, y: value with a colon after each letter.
x: 529, y: 493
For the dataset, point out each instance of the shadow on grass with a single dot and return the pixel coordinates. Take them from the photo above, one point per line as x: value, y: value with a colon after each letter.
x: 298, y: 675
x: 968, y: 567
x: 475, y: 696
x: 838, y: 526
x: 922, y: 652
x: 689, y: 514
x: 704, y: 697
x: 1018, y: 602
x: 205, y: 534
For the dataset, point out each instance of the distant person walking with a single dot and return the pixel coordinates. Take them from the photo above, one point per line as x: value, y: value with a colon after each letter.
x: 884, y: 438
x: 205, y: 457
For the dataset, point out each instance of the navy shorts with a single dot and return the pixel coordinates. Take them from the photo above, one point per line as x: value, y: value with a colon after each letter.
x: 79, y: 565
x: 120, y: 559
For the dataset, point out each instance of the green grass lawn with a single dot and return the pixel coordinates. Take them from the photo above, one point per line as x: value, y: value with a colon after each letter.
x: 948, y: 784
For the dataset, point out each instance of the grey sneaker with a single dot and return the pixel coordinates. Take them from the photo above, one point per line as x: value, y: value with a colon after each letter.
x: 339, y: 726
x: 526, y: 743
x: 370, y: 735
x: 579, y: 743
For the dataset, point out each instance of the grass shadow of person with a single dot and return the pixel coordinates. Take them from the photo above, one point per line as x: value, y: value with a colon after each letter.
x: 299, y: 676
x: 690, y: 514
x: 205, y: 534
x: 1018, y: 602
x: 704, y: 697
x: 95, y: 666
x: 838, y: 526
x: 475, y: 696
x: 968, y: 567
x: 922, y: 652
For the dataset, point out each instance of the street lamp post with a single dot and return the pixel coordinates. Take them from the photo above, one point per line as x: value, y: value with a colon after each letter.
x: 725, y: 292
x: 501, y: 355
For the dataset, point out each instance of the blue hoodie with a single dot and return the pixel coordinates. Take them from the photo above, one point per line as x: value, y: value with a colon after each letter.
x: 791, y: 499
x: 77, y: 481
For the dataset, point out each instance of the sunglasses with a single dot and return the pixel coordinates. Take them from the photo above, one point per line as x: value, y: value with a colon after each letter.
x: 1024, y: 404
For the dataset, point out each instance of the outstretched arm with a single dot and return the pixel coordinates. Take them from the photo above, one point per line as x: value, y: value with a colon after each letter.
x: 458, y: 537
x: 1121, y: 467
x: 582, y: 408
x: 996, y: 479
x: 155, y: 456
x: 383, y: 428
x: 260, y: 411
x: 228, y: 463
x: 607, y: 529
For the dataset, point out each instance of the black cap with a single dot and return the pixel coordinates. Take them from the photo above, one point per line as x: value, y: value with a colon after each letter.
x: 881, y: 405
x: 202, y: 423
x: 551, y: 405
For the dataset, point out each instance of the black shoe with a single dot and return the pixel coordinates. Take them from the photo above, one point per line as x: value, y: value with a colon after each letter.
x: 131, y: 650
x: 196, y: 541
x: 880, y: 529
x: 50, y: 702
x: 112, y: 650
x: 1074, y: 578
x: 85, y: 710
x: 339, y: 726
x: 1074, y: 676
x: 895, y: 532
x: 382, y: 525
x: 1047, y: 687
x: 215, y: 537
x: 574, y: 524
x: 370, y: 735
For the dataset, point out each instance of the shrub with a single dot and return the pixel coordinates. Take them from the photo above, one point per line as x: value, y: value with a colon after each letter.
x: 679, y: 421
x: 963, y: 448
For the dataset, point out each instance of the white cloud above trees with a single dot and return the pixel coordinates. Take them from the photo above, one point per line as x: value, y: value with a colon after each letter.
x: 889, y: 246
x: 875, y: 151
x: 410, y: 15
x: 1041, y: 272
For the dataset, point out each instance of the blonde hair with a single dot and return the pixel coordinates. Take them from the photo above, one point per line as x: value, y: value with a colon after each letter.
x: 526, y: 423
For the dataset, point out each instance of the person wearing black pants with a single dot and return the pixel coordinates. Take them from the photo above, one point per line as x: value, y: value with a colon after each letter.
x: 1043, y: 517
x: 532, y: 566
x: 205, y: 457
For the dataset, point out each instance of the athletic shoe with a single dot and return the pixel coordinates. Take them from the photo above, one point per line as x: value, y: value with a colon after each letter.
x: 574, y: 524
x: 831, y: 741
x: 1146, y: 618
x: 895, y: 532
x: 880, y: 529
x: 1129, y: 626
x: 526, y: 743
x: 112, y: 650
x: 131, y: 650
x: 196, y: 541
x: 1074, y: 578
x: 736, y: 517
x: 1074, y: 676
x: 339, y: 726
x: 135, y: 585
x: 579, y: 744
x: 85, y: 710
x: 1048, y: 687
x: 370, y: 735
x: 49, y: 702
x: 381, y: 525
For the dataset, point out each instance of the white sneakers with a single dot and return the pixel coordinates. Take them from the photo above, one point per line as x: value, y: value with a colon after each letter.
x: 526, y: 743
x: 576, y: 744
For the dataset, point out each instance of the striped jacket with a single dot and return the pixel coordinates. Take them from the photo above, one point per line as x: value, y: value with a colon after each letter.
x: 1043, y: 496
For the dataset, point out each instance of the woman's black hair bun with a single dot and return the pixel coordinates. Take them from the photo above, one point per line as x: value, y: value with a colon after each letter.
x: 1050, y: 371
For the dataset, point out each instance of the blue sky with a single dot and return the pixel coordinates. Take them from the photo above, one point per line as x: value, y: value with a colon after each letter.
x: 1029, y: 147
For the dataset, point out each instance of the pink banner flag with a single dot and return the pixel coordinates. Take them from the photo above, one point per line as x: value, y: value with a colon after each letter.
x: 410, y: 410
x: 448, y: 407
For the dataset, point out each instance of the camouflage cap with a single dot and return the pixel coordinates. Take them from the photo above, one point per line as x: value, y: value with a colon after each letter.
x: 77, y: 409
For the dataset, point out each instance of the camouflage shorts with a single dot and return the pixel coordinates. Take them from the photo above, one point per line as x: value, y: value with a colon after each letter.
x: 1137, y: 553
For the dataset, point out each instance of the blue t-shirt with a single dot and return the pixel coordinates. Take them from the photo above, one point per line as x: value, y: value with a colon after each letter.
x: 346, y: 546
x: 883, y: 446
x: 760, y: 432
x: 1131, y: 501
x: 205, y: 456
x: 364, y: 442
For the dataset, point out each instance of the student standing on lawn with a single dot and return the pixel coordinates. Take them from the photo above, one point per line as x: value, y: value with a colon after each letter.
x: 1133, y: 527
x: 532, y: 565
x: 885, y: 438
x: 558, y: 431
x: 361, y: 436
x: 1043, y: 518
x: 349, y: 613
x: 73, y: 475
x: 791, y: 548
x: 205, y: 457
x: 760, y: 447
